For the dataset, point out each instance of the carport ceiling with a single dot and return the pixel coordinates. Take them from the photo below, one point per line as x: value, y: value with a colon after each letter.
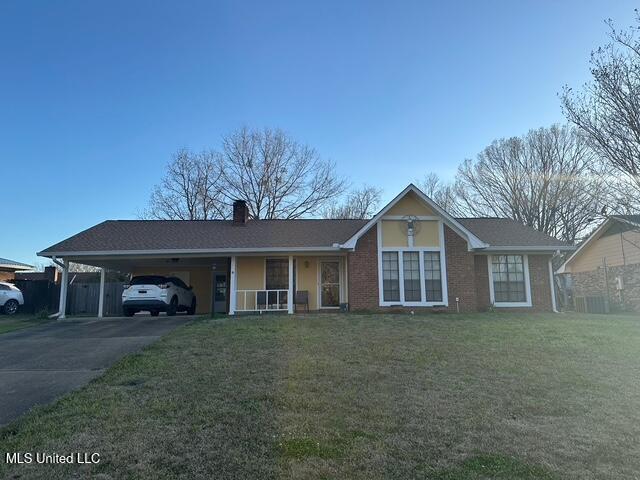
x: 128, y: 264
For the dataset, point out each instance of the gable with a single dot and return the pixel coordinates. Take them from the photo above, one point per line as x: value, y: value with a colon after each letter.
x: 616, y: 249
x: 410, y: 204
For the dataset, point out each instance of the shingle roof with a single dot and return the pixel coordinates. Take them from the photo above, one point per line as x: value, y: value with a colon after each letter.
x: 504, y: 232
x: 5, y: 262
x: 138, y: 235
x: 629, y: 218
x: 208, y: 234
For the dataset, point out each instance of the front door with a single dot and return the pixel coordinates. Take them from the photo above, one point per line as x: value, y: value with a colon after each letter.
x: 329, y: 284
x: 220, y: 293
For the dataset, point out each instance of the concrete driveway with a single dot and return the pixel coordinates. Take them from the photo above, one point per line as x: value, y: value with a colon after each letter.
x: 42, y: 363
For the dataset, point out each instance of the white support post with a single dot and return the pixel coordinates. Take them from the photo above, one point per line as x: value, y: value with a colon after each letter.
x: 290, y: 294
x: 64, y: 283
x: 103, y: 275
x: 233, y: 285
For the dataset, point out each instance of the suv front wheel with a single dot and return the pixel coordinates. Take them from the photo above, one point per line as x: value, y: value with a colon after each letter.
x: 11, y: 307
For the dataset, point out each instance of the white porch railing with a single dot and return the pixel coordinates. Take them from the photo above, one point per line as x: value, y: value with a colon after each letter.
x: 261, y: 301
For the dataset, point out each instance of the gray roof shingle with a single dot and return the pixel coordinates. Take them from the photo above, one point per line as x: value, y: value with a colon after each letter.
x: 504, y: 232
x: 630, y: 218
x: 138, y: 235
x: 12, y: 263
x: 208, y: 234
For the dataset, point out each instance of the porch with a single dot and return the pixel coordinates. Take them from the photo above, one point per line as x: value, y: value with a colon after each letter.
x: 287, y: 283
x: 250, y: 283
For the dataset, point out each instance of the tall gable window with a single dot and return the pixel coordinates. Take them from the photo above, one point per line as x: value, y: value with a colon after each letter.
x: 432, y: 276
x: 390, y: 277
x: 412, y: 271
x: 411, y: 263
x: 509, y: 281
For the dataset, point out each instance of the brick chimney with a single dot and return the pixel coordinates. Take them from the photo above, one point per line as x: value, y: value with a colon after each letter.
x: 240, y: 212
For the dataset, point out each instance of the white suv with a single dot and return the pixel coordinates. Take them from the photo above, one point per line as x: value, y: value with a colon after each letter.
x: 155, y: 294
x: 10, y: 298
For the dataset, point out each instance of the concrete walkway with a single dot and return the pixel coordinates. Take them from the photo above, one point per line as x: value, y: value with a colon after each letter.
x: 39, y: 364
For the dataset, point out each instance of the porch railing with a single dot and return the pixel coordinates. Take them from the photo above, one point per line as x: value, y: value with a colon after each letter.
x: 261, y: 300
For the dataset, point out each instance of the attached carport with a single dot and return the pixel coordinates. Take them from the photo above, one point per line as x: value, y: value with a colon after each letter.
x: 207, y: 274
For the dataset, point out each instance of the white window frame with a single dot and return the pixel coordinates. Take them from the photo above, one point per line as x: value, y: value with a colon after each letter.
x: 527, y: 283
x: 420, y: 250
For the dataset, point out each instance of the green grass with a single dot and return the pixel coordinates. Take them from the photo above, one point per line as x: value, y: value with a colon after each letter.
x: 445, y: 397
x: 8, y: 323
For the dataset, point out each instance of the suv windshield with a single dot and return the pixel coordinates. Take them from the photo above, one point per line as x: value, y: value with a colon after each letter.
x: 148, y: 280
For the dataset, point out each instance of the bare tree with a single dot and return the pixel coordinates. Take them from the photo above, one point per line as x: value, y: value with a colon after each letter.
x: 361, y: 203
x: 607, y: 110
x: 441, y: 192
x: 545, y: 180
x: 191, y: 189
x: 277, y: 176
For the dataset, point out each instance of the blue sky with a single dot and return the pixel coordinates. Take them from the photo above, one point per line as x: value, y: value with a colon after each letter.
x: 95, y: 96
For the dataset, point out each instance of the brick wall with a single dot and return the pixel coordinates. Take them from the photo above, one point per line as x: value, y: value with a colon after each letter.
x: 483, y: 298
x: 467, y: 277
x: 461, y: 272
x: 593, y: 284
x: 363, y: 273
x: 539, y: 278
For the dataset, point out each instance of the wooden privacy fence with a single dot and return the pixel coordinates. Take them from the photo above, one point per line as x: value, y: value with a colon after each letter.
x: 39, y: 295
x: 84, y: 297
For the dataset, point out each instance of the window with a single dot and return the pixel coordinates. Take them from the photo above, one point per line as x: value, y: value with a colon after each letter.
x: 277, y: 276
x: 432, y: 276
x: 508, y: 277
x: 390, y: 277
x: 411, y: 272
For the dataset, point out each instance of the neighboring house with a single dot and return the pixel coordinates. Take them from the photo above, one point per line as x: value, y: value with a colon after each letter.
x: 411, y: 255
x: 607, y: 263
x: 8, y: 268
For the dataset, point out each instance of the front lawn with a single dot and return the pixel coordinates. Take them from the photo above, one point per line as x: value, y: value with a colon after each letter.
x: 9, y: 323
x: 360, y: 397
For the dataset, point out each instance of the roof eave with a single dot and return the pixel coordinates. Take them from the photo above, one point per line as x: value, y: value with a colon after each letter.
x: 181, y: 252
x: 529, y: 248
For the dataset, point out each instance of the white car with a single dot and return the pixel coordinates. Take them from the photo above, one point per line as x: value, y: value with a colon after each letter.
x: 155, y: 294
x: 10, y: 298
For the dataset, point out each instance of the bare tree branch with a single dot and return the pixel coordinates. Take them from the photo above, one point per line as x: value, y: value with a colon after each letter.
x: 607, y: 109
x: 275, y: 175
x: 360, y: 204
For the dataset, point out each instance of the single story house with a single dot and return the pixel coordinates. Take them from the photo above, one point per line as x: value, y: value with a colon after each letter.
x: 607, y: 263
x: 8, y: 268
x: 411, y: 255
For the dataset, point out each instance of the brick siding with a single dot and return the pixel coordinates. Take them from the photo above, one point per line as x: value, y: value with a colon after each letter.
x: 461, y: 272
x: 363, y: 273
x: 467, y: 277
x: 593, y: 284
x: 539, y: 279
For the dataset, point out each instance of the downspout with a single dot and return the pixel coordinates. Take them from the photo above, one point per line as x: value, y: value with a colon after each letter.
x: 552, y: 286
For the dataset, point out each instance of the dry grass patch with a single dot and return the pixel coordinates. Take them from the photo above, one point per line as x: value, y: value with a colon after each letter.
x: 446, y: 397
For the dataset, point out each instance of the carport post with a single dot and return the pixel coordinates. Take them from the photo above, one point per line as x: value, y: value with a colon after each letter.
x: 103, y: 274
x: 64, y: 283
x: 290, y: 294
x: 233, y: 282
